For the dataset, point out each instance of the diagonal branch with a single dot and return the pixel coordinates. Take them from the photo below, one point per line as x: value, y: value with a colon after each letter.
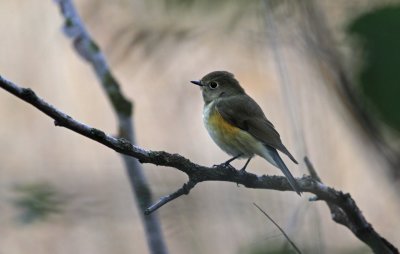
x: 361, y: 228
x: 184, y: 190
x: 350, y: 216
x: 280, y: 229
x: 87, y: 48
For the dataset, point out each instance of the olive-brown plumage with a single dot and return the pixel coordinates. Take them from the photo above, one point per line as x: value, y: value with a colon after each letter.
x: 238, y: 125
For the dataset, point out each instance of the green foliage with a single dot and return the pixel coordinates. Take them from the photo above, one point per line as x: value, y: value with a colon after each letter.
x: 37, y: 201
x: 379, y: 79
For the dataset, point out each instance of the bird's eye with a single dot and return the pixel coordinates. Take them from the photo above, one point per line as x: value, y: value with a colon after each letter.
x: 213, y: 84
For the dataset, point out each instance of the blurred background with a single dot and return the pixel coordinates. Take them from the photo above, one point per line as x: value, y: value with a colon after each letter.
x: 325, y: 73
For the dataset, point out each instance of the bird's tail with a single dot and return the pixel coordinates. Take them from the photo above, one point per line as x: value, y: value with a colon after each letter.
x: 278, y: 162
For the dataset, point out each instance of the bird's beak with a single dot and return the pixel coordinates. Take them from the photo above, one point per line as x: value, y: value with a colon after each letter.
x: 196, y: 82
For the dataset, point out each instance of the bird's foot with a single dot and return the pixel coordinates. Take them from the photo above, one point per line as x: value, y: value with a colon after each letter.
x: 241, y: 172
x: 226, y: 165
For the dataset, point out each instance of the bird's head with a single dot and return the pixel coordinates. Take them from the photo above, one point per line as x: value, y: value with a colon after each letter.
x: 218, y: 84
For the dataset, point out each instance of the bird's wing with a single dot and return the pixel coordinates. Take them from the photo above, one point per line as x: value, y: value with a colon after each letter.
x: 243, y: 112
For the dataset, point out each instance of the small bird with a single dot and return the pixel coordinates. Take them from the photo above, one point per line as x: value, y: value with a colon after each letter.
x: 238, y: 125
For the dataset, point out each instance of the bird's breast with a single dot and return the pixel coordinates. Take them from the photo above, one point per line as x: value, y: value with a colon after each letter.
x: 228, y: 137
x: 218, y: 126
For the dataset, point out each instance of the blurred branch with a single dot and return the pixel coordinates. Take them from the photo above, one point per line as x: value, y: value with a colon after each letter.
x: 280, y: 229
x: 86, y: 47
x: 320, y: 43
x: 348, y: 214
x: 285, y: 83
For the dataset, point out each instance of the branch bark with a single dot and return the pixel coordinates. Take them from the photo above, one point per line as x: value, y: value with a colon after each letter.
x: 346, y: 210
x: 87, y: 48
x: 351, y: 217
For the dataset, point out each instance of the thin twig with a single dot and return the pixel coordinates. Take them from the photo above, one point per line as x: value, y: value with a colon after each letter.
x: 337, y: 213
x: 197, y: 173
x: 184, y: 190
x: 280, y: 229
x: 311, y: 169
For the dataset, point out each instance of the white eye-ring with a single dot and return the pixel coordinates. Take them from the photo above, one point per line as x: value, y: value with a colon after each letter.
x: 213, y: 84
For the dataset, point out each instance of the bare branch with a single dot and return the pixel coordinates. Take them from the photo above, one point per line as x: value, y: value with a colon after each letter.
x: 280, y: 229
x: 87, y: 48
x: 197, y: 173
x: 184, y: 190
x: 350, y: 216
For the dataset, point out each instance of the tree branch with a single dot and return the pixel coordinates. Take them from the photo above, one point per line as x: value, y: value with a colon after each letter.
x: 87, y: 48
x: 352, y: 216
x: 184, y: 190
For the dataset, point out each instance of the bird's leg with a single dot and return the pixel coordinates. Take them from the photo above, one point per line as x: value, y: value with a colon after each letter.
x: 245, y: 165
x: 243, y: 170
x: 227, y: 163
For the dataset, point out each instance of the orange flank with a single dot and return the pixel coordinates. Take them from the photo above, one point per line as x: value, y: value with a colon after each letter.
x: 230, y: 138
x: 224, y: 129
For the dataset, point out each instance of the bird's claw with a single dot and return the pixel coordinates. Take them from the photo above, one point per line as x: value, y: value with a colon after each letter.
x: 224, y: 165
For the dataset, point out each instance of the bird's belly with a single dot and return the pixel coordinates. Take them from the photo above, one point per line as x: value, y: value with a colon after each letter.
x: 229, y: 138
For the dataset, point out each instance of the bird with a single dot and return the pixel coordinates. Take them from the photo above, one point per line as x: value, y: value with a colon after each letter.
x: 238, y: 125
